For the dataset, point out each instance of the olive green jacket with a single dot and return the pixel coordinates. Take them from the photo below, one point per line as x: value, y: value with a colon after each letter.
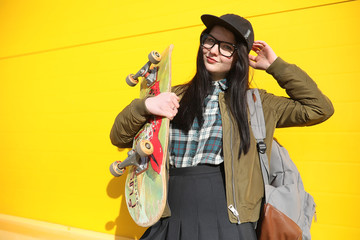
x: 244, y: 184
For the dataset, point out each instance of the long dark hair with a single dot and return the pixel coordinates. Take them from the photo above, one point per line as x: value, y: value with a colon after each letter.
x: 237, y: 79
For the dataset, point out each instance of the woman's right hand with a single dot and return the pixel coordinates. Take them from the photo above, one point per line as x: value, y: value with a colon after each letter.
x: 164, y: 105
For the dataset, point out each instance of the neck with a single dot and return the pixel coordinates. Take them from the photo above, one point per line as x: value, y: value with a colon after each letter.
x: 217, y: 77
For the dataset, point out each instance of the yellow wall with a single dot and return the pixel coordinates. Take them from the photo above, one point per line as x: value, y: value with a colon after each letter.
x: 62, y: 71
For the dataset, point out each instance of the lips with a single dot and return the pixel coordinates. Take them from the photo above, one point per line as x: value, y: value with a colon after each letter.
x: 211, y: 60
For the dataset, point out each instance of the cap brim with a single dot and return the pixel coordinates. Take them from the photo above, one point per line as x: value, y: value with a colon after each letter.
x: 211, y: 20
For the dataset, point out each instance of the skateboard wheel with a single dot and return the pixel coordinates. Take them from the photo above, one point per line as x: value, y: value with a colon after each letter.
x: 115, y: 170
x: 131, y: 81
x: 144, y: 148
x: 154, y: 57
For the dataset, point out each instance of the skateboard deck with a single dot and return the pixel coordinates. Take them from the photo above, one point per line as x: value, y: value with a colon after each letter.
x: 146, y: 181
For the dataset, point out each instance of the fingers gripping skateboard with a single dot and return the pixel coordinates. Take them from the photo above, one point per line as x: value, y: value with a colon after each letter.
x: 144, y: 148
x: 146, y: 71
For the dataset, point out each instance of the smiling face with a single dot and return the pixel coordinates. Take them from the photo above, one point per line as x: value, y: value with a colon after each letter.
x: 217, y: 64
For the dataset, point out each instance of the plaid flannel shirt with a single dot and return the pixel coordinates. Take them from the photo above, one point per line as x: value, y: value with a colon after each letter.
x: 200, y: 145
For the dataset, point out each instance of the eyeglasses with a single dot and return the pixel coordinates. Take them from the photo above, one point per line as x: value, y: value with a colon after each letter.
x: 225, y: 48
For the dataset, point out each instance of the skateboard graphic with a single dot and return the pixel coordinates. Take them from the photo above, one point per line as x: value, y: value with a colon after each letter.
x: 146, y: 180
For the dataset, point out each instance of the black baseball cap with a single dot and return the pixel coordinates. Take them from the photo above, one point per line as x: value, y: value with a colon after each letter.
x: 238, y: 25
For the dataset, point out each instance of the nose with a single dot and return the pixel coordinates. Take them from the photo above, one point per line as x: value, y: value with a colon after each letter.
x: 215, y: 49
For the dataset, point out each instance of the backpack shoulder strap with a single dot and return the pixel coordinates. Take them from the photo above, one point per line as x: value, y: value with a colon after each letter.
x: 258, y: 127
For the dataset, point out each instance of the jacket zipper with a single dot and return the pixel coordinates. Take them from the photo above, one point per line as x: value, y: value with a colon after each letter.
x: 231, y: 207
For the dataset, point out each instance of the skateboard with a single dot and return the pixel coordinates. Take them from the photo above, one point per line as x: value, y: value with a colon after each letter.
x: 146, y: 180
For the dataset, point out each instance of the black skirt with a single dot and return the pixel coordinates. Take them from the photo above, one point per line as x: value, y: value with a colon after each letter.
x: 198, y: 208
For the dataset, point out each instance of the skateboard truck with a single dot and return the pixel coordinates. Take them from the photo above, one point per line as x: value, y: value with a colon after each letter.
x: 146, y: 71
x: 144, y: 148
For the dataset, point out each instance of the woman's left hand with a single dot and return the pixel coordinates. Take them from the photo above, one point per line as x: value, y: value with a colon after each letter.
x: 265, y: 56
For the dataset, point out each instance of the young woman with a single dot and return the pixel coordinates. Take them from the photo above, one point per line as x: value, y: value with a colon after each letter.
x: 215, y: 184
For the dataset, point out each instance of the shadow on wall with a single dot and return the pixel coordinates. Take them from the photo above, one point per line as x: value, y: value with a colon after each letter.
x: 123, y: 222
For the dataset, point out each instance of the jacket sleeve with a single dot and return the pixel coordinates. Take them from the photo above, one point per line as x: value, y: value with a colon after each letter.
x: 128, y: 122
x: 306, y: 106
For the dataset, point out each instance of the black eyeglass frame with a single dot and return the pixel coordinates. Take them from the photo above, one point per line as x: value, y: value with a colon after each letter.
x: 204, y: 36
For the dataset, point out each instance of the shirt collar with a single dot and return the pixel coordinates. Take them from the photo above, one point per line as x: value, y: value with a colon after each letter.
x: 222, y: 84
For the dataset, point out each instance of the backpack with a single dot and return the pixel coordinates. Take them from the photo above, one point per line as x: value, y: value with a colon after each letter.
x: 284, y: 189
